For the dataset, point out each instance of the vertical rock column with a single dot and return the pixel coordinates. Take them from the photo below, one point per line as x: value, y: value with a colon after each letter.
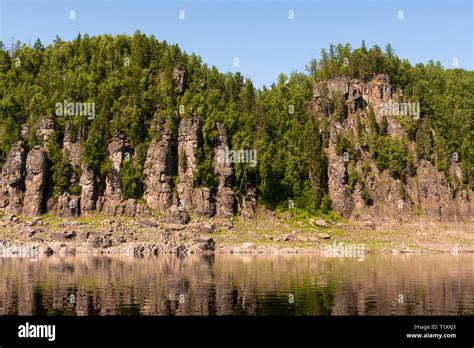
x: 157, y: 173
x: 69, y: 205
x: 110, y: 202
x: 88, y: 190
x: 340, y: 194
x: 36, y: 175
x: 189, y: 138
x: 12, y: 179
x: 191, y: 198
x: 225, y: 202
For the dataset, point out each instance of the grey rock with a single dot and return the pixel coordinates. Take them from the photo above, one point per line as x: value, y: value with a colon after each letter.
x: 157, y: 173
x: 148, y: 223
x: 322, y: 223
x: 35, y: 182
x: 88, y: 190
x: 12, y: 179
x: 68, y: 205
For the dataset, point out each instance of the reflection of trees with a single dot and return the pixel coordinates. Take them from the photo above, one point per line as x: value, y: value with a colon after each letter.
x: 236, y: 285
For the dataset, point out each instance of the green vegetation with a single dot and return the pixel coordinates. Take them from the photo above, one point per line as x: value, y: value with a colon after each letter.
x: 445, y: 97
x: 131, y: 82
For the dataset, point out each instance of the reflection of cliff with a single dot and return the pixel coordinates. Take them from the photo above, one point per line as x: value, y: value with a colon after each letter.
x: 237, y: 285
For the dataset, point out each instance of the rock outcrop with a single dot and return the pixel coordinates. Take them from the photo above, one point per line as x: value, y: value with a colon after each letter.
x: 248, y: 204
x: 329, y: 88
x: 225, y: 201
x: 12, y: 179
x: 68, y: 205
x: 431, y: 192
x: 337, y: 177
x: 74, y: 151
x: 44, y: 130
x: 427, y: 193
x: 110, y: 202
x: 191, y: 198
x: 203, y: 201
x: 35, y: 181
x: 88, y: 190
x: 372, y: 196
x: 157, y: 173
x: 179, y: 78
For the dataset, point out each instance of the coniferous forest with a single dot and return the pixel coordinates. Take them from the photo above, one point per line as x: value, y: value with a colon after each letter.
x: 131, y: 80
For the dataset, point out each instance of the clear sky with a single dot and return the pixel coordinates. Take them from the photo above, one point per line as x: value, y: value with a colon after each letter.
x: 260, y: 33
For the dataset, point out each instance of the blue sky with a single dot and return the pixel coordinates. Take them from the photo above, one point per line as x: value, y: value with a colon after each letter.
x: 259, y: 33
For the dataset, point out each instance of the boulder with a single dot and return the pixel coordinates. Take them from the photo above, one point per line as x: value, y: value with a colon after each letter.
x: 148, y: 223
x: 248, y: 245
x: 322, y: 223
x: 99, y: 241
x: 367, y: 221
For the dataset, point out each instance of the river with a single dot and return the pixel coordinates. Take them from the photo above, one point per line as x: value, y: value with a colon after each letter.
x: 401, y: 284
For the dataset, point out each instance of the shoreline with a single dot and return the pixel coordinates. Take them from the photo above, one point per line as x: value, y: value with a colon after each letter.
x: 268, y: 233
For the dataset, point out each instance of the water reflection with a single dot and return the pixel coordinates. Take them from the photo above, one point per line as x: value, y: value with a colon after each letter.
x: 238, y: 285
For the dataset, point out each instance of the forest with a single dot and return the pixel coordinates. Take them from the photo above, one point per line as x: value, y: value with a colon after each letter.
x: 130, y: 81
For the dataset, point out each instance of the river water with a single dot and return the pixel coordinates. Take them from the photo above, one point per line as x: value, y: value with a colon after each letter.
x: 403, y: 284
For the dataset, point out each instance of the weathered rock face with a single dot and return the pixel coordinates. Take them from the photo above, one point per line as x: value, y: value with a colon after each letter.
x: 165, y: 158
x: 337, y: 183
x: 158, y: 172
x: 355, y: 100
x: 377, y: 93
x: 25, y: 132
x: 179, y: 77
x: 36, y: 178
x: 44, y: 130
x: 426, y: 194
x: 225, y: 202
x: 330, y: 87
x: 432, y: 194
x: 177, y: 215
x: 200, y: 200
x: 88, y: 190
x: 113, y: 187
x: 74, y: 151
x: 68, y: 205
x: 73, y: 147
x: 248, y: 204
x: 12, y: 179
x: 203, y: 200
x: 189, y: 139
x: 357, y: 93
x: 110, y: 202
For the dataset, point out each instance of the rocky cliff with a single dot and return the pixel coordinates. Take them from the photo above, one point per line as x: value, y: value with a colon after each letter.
x: 171, y: 163
x: 423, y: 193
